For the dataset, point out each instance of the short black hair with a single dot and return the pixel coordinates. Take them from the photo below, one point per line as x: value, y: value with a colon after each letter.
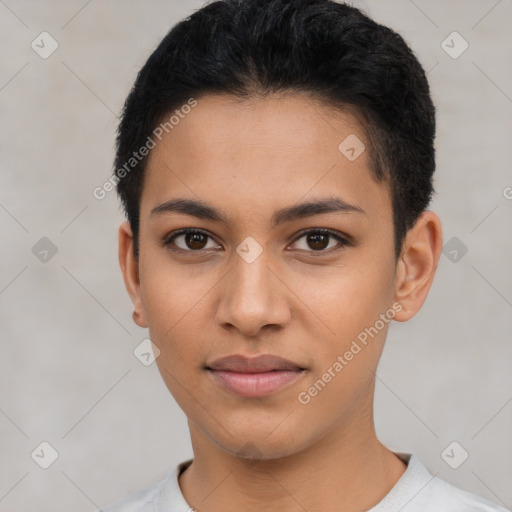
x: 328, y: 50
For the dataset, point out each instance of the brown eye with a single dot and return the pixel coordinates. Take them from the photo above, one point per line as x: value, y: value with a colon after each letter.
x: 320, y: 240
x: 189, y: 241
x: 195, y: 240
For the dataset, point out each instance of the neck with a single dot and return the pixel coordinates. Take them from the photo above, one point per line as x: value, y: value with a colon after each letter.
x: 347, y: 469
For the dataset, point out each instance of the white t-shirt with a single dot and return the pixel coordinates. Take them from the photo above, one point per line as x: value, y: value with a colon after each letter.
x: 416, y: 491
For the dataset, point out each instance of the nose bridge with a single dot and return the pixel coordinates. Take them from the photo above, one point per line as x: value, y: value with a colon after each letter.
x: 251, y: 298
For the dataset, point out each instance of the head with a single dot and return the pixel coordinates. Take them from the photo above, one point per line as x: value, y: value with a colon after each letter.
x: 255, y: 123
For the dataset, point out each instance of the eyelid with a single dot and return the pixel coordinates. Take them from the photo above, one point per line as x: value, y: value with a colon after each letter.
x: 168, y: 239
x: 344, y: 240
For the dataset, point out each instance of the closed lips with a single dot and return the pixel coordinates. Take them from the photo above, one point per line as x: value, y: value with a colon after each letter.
x: 260, y: 364
x: 256, y: 377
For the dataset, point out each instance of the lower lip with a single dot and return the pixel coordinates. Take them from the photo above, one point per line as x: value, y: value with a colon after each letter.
x: 252, y: 385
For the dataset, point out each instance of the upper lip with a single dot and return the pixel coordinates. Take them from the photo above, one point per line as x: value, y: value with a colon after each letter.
x: 258, y: 364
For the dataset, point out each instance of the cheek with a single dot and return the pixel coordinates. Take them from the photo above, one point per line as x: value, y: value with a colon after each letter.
x: 168, y: 291
x: 343, y: 370
x: 347, y: 323
x: 175, y: 327
x: 174, y: 306
x: 346, y: 298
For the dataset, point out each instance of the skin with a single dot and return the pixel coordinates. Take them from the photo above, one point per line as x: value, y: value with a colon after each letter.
x: 250, y: 159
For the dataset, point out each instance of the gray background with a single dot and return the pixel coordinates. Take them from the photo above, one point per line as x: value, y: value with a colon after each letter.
x: 68, y: 374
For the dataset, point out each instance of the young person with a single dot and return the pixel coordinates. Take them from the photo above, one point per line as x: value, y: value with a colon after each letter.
x: 275, y: 161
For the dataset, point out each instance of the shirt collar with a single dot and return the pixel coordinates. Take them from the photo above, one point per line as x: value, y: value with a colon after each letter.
x: 414, y: 479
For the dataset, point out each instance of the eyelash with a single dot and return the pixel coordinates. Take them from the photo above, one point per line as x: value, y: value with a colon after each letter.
x: 344, y: 241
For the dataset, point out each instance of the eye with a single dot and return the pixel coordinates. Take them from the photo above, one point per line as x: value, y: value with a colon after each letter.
x: 319, y: 239
x: 189, y: 240
x: 195, y: 241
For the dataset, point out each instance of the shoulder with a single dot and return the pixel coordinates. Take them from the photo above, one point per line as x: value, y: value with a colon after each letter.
x: 161, y: 497
x: 441, y: 496
x: 418, y: 491
x: 141, y: 501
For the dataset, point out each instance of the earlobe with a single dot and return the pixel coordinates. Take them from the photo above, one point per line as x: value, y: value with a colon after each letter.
x: 417, y: 264
x: 130, y: 270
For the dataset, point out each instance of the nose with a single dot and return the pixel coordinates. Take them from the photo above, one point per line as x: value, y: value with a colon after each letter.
x: 252, y: 298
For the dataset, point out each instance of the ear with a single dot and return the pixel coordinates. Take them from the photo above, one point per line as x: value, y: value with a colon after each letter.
x: 130, y: 269
x: 417, y: 264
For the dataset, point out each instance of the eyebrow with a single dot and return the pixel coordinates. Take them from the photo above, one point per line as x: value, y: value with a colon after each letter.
x: 201, y: 210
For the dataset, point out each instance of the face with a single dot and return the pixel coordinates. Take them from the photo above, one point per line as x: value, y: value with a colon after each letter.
x: 258, y: 272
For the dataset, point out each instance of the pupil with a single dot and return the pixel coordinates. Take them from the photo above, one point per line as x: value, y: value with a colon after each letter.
x: 195, y: 238
x: 318, y: 241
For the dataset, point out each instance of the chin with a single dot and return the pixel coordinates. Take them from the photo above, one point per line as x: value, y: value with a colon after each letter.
x: 264, y: 443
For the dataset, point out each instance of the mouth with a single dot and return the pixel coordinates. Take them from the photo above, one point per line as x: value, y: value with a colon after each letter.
x: 254, y: 377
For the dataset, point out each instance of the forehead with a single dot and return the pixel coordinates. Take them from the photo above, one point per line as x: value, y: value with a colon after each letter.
x: 261, y: 153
